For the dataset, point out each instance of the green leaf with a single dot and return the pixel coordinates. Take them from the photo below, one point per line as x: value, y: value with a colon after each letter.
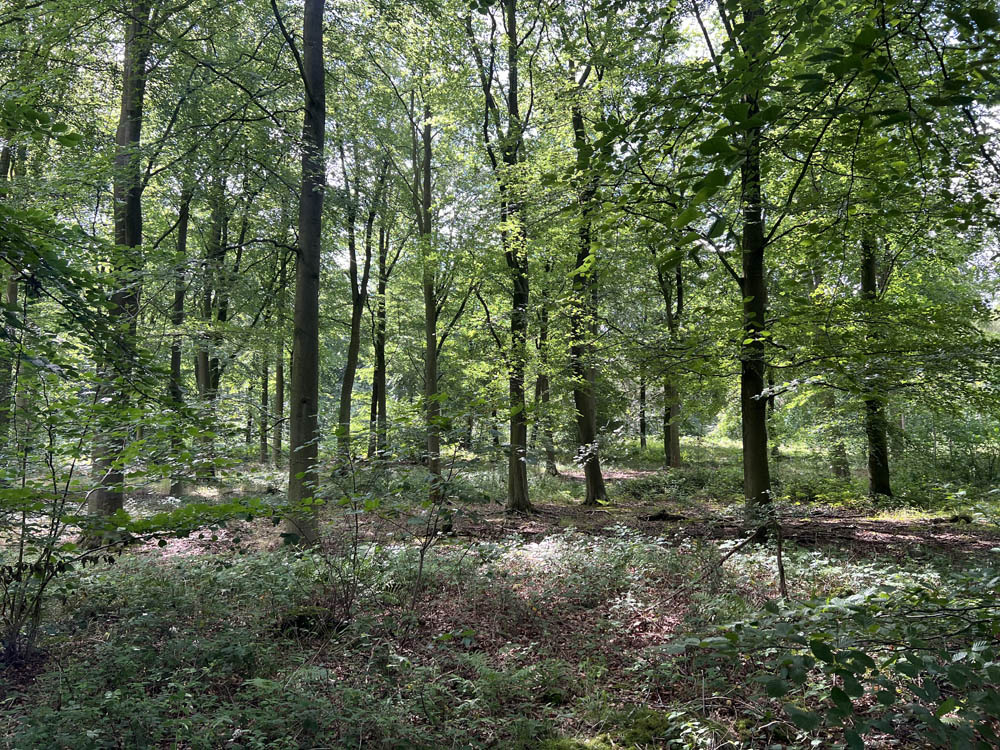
x: 806, y: 720
x: 776, y: 687
x: 822, y: 651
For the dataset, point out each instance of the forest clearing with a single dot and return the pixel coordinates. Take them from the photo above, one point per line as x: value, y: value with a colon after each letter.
x: 415, y: 374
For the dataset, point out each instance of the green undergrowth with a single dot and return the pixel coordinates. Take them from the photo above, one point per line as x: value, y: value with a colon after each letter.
x: 572, y: 641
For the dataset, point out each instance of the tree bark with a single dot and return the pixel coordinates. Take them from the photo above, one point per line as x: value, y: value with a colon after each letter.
x: 7, y: 371
x: 432, y: 404
x: 583, y: 327
x: 176, y: 341
x: 674, y: 309
x: 671, y: 424
x: 753, y: 407
x: 279, y: 370
x: 542, y: 394
x: 264, y: 416
x: 377, y: 439
x: 304, y: 403
x: 10, y: 298
x: 359, y: 298
x: 642, y: 412
x: 111, y: 438
x: 876, y: 427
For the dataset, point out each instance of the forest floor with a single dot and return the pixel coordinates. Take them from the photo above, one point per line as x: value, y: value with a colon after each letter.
x: 571, y: 628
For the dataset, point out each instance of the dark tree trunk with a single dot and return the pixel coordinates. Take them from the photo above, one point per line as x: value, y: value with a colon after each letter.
x: 279, y: 370
x: 509, y: 142
x: 876, y: 427
x: 7, y: 372
x: 753, y: 406
x: 264, y: 416
x: 304, y: 402
x: 671, y: 424
x: 583, y: 327
x: 377, y: 439
x: 213, y: 309
x: 432, y: 404
x: 111, y: 438
x: 10, y: 298
x: 359, y: 298
x: 542, y: 395
x: 642, y: 412
x: 176, y: 341
x: 669, y: 288
x: 771, y: 430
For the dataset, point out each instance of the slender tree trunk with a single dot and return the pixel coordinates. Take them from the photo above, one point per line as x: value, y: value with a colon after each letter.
x: 669, y: 288
x: 213, y: 309
x: 248, y: 432
x: 771, y: 430
x: 516, y: 254
x: 304, y: 403
x: 432, y: 402
x: 542, y: 396
x: 377, y: 426
x: 279, y: 371
x: 10, y: 298
x: 642, y: 411
x: 671, y: 424
x: 495, y: 428
x: 753, y: 407
x: 264, y: 416
x: 583, y: 325
x: 7, y: 371
x: 111, y: 438
x: 876, y: 426
x: 176, y: 341
x: 359, y: 299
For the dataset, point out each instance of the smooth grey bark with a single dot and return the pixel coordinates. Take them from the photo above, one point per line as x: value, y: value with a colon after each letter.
x: 304, y: 402
x: 111, y: 437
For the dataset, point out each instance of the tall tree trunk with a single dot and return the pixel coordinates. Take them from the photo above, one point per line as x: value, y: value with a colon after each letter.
x: 876, y: 427
x: 753, y: 407
x: 671, y: 423
x: 278, y: 412
x: 304, y: 403
x: 359, y: 299
x: 432, y: 402
x: 264, y: 416
x: 111, y: 437
x: 213, y: 309
x: 7, y: 371
x: 542, y: 396
x: 669, y: 288
x: 516, y: 255
x: 10, y: 298
x: 378, y: 418
x: 583, y: 325
x: 176, y: 341
x: 642, y: 411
